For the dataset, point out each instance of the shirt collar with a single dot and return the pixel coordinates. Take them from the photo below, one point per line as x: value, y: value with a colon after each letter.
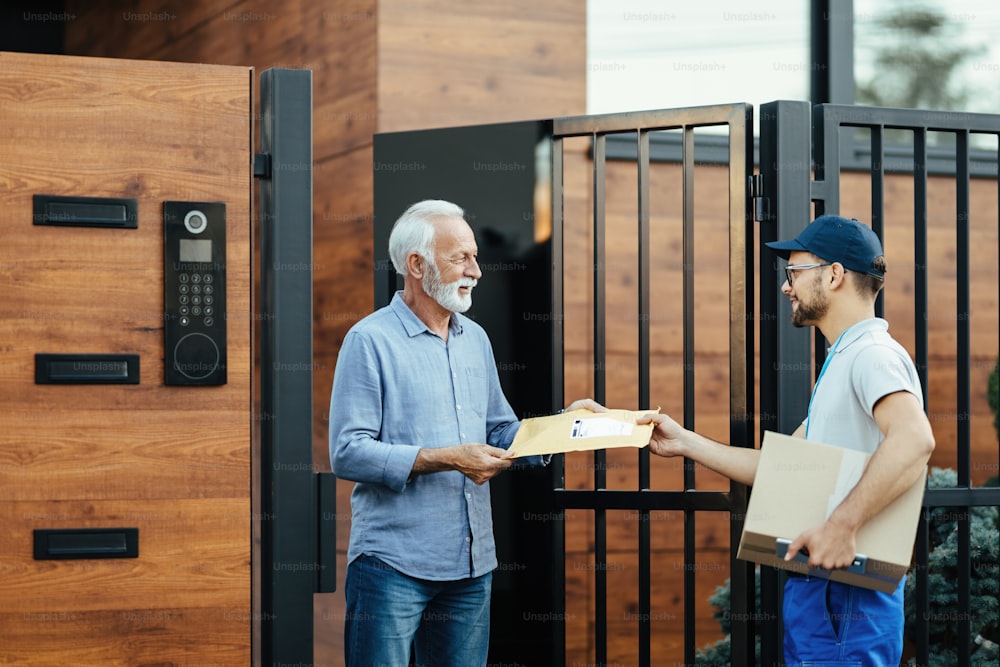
x: 859, y: 329
x: 413, y: 325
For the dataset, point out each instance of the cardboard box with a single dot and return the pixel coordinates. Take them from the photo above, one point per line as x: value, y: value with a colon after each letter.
x: 798, y: 484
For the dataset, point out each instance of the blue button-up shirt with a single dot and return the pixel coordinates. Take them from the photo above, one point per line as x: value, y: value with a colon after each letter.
x: 397, y: 388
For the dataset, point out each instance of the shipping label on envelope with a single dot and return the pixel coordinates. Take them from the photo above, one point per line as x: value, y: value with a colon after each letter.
x: 580, y: 430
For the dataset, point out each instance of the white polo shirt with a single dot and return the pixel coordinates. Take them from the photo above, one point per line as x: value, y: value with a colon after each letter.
x: 864, y: 365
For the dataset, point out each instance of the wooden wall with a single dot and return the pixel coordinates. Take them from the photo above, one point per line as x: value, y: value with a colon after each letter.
x: 398, y: 65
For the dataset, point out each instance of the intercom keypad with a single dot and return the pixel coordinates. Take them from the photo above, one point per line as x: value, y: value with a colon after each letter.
x: 194, y: 257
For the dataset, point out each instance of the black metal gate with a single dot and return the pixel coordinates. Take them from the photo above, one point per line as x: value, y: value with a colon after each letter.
x: 737, y: 123
x: 860, y: 139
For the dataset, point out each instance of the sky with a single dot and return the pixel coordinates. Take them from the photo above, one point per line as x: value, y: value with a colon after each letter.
x: 655, y: 54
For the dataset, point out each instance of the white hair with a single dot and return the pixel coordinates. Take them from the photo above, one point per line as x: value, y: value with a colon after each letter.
x: 413, y: 232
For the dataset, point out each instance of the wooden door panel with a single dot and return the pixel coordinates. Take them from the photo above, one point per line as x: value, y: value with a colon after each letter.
x: 190, y: 552
x: 107, y: 452
x: 172, y: 461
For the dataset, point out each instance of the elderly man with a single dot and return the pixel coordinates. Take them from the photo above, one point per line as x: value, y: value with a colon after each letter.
x: 418, y: 419
x: 867, y: 397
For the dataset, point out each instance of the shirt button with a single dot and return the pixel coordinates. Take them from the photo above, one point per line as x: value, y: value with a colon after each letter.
x: 458, y: 406
x: 468, y: 496
x: 468, y: 539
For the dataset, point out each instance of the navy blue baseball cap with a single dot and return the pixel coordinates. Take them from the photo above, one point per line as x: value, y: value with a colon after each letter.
x: 836, y: 239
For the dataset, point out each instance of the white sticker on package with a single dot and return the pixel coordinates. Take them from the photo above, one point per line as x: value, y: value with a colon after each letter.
x: 599, y: 427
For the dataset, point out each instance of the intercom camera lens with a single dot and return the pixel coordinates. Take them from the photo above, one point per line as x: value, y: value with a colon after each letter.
x: 195, y: 222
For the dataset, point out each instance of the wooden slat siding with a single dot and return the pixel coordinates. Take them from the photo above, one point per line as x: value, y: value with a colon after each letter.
x: 666, y: 613
x: 110, y: 29
x: 450, y: 62
x: 343, y: 276
x: 622, y: 530
x: 336, y: 41
x: 173, y: 462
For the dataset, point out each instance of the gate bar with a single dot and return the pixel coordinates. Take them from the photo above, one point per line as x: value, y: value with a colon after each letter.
x: 645, y: 542
x: 558, y: 464
x: 921, y: 352
x: 687, y: 286
x: 600, y: 368
x: 878, y: 198
x: 964, y: 380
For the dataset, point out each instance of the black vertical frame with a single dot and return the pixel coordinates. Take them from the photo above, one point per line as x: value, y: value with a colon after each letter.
x: 785, y: 376
x: 288, y: 497
x: 557, y: 594
x: 831, y: 46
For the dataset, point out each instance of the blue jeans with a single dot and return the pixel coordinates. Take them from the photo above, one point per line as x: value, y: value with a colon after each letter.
x: 446, y: 622
x: 838, y: 625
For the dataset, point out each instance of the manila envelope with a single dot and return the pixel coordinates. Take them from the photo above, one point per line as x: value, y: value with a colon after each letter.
x: 580, y: 430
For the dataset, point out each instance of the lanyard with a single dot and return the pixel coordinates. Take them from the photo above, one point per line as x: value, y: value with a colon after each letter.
x: 826, y: 362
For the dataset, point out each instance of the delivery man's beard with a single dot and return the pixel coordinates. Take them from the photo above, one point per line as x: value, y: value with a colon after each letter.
x: 811, y: 313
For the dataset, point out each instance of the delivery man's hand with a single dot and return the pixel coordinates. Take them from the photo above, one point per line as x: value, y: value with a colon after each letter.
x: 666, y: 437
x: 830, y: 545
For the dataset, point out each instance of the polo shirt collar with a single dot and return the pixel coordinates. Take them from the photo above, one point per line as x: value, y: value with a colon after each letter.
x: 854, y: 332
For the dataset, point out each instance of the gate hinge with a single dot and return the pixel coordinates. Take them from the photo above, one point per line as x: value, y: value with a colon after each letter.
x: 262, y: 165
x: 761, y: 209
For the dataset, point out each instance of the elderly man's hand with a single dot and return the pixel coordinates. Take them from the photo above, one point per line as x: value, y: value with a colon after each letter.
x: 480, y: 463
x: 586, y: 403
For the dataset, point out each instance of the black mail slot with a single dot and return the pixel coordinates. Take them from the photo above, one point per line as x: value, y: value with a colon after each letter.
x: 86, y: 369
x: 72, y: 543
x: 119, y: 213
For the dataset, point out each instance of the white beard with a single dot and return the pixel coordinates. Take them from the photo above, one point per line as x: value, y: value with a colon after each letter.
x: 447, y: 294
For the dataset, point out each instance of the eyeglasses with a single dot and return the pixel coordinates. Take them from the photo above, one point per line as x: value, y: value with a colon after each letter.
x: 792, y: 268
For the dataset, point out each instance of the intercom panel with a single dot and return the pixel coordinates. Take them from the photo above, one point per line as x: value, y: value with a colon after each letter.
x: 194, y: 276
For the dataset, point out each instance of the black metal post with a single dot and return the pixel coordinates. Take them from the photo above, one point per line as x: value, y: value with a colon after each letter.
x: 785, y: 377
x: 288, y: 509
x: 831, y: 49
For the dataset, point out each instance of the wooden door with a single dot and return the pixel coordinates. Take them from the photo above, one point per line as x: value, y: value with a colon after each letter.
x: 166, y: 466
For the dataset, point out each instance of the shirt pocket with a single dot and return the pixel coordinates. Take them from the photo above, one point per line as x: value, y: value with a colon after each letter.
x: 477, y: 392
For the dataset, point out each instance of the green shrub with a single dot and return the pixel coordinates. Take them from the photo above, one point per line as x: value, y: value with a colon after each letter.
x: 943, y: 611
x: 719, y: 654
